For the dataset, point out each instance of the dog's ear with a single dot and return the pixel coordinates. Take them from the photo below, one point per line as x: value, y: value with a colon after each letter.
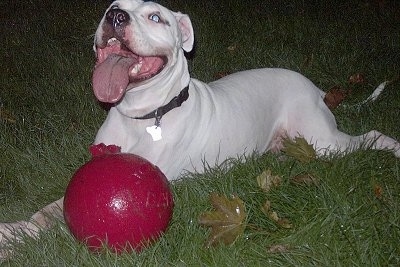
x: 185, y: 26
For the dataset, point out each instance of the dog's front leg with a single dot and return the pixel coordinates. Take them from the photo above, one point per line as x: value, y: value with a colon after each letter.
x: 41, y: 220
x: 44, y: 218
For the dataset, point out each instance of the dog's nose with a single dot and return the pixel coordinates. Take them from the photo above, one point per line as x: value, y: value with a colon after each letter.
x: 117, y: 17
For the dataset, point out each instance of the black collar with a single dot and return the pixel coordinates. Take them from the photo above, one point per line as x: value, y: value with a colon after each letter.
x: 174, y: 103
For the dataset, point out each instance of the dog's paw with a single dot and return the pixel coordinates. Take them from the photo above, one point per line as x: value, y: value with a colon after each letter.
x: 8, y: 231
x: 9, y: 234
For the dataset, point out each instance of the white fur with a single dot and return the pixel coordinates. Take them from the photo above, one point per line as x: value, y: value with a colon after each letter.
x: 239, y: 114
x: 246, y: 112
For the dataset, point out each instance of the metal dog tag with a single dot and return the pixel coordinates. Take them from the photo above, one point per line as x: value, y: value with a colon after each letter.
x: 155, y: 132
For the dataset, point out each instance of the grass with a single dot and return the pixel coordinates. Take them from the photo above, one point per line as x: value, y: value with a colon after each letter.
x: 49, y: 117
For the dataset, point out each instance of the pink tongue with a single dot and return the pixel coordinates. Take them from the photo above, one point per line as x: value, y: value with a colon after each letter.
x: 111, y: 78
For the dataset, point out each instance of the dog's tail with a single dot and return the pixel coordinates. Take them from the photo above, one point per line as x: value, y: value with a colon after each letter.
x: 372, y: 97
x: 374, y: 94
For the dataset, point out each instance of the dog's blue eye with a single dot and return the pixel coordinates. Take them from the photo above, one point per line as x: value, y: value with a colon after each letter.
x: 155, y: 18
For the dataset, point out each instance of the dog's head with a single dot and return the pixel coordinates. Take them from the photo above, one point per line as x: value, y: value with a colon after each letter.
x: 134, y: 43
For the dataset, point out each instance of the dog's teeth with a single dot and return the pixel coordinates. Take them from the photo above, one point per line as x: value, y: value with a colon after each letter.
x: 111, y: 40
x: 136, y: 69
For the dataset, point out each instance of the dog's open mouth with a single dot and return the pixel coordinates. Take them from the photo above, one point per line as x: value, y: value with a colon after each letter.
x: 117, y: 67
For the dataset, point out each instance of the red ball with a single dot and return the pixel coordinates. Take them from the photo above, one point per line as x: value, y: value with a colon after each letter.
x: 120, y: 200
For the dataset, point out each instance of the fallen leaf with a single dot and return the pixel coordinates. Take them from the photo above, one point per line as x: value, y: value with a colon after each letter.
x: 266, y: 207
x: 267, y: 181
x: 357, y: 78
x: 304, y: 179
x: 299, y: 149
x: 284, y: 223
x: 227, y: 221
x: 7, y: 115
x: 221, y: 74
x: 232, y: 47
x: 335, y: 96
x: 378, y: 191
x: 273, y: 215
x: 73, y: 126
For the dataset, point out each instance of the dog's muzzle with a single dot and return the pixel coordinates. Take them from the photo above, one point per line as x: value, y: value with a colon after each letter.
x: 119, y: 67
x: 117, y: 17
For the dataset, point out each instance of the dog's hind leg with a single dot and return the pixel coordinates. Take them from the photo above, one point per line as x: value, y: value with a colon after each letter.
x: 318, y: 127
x: 344, y: 143
x: 372, y: 140
x: 41, y: 220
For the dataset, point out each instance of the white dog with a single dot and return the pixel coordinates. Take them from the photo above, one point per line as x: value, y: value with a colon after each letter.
x: 178, y: 123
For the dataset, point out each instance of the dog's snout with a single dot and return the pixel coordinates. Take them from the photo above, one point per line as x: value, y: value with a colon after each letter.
x: 117, y: 17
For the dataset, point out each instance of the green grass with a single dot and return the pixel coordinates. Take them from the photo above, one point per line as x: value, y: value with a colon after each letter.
x: 46, y: 62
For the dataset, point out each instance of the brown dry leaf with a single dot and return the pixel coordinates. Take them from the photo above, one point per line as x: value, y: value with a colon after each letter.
x: 357, y: 78
x: 232, y: 47
x: 299, y: 149
x: 278, y: 249
x: 335, y: 96
x: 227, y: 222
x: 304, y: 179
x: 273, y: 215
x: 267, y: 181
x: 378, y: 191
x: 284, y: 223
x: 266, y: 207
x: 7, y: 115
x: 221, y: 74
